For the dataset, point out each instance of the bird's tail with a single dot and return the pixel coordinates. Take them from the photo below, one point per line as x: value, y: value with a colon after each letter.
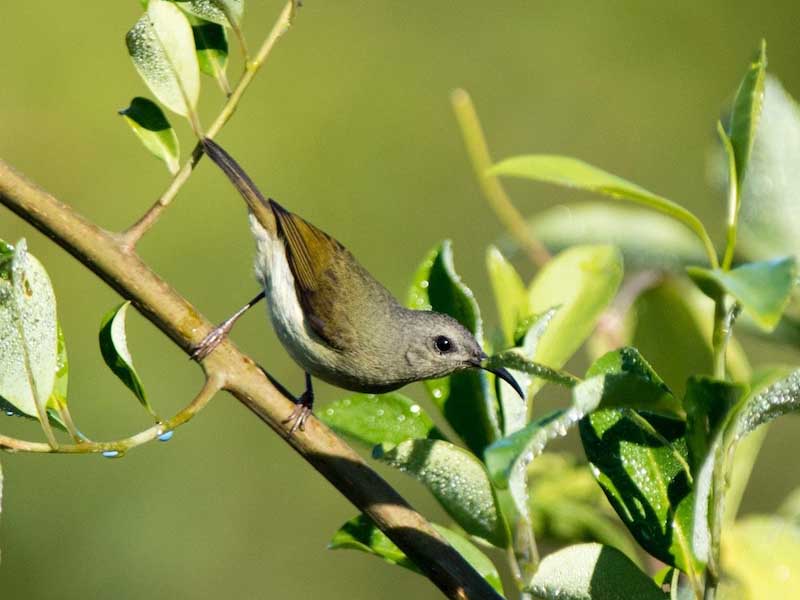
x: 259, y: 206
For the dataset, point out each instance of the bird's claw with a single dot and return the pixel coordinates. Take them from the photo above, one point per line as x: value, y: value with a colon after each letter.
x: 209, y: 343
x: 302, y: 410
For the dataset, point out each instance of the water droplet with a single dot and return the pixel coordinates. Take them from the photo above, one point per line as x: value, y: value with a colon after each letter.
x: 111, y: 454
x: 379, y: 412
x: 346, y: 402
x: 438, y: 393
x: 424, y: 284
x: 10, y: 413
x: 401, y: 418
x: 415, y: 409
x: 166, y: 436
x: 329, y: 412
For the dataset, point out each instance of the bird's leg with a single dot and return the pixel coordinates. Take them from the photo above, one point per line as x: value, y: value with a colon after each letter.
x: 302, y: 408
x: 215, y: 337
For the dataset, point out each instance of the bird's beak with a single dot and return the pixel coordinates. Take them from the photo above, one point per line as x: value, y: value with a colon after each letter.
x: 503, y: 374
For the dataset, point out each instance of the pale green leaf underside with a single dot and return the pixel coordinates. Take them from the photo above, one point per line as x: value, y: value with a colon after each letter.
x: 769, y: 224
x: 28, y: 331
x: 360, y: 533
x: 161, y: 45
x: 574, y: 173
x: 647, y: 240
x: 114, y: 348
x: 763, y: 288
x: 214, y: 10
x: 147, y: 121
x: 592, y: 572
x: 778, y: 399
x: 762, y: 554
x: 457, y: 479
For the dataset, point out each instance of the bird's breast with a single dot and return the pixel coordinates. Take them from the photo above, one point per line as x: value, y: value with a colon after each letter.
x: 273, y: 272
x: 346, y: 369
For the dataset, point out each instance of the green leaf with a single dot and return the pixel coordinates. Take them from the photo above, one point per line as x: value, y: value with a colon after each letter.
x: 465, y: 398
x: 161, y: 45
x: 360, y: 533
x: 592, y: 572
x: 747, y: 110
x: 509, y: 293
x: 673, y: 323
x: 671, y: 334
x: 28, y: 332
x: 640, y: 462
x: 574, y: 173
x: 457, y: 479
x: 148, y: 122
x: 58, y: 397
x: 114, y: 348
x: 628, y: 382
x: 780, y: 398
x: 647, y: 240
x: 516, y: 361
x: 211, y: 43
x: 373, y: 419
x: 790, y: 507
x: 513, y: 411
x: 709, y: 404
x: 762, y: 554
x: 215, y: 11
x: 769, y: 224
x: 567, y: 505
x: 507, y: 458
x: 763, y: 288
x: 581, y: 282
x: 619, y: 379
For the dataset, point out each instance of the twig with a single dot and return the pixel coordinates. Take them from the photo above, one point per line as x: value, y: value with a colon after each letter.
x: 104, y: 254
x: 494, y: 191
x: 134, y: 233
x: 213, y: 384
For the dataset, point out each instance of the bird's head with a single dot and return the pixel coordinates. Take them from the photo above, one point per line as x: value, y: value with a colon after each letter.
x: 440, y: 345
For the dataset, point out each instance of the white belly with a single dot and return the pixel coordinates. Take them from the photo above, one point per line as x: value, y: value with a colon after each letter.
x: 283, y: 307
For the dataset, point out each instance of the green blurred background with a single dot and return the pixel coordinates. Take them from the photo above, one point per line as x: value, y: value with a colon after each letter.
x: 349, y: 124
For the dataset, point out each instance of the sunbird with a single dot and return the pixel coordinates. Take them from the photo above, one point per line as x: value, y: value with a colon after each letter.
x: 334, y: 318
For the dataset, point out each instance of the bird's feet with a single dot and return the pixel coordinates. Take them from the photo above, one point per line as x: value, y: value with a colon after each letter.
x: 220, y: 332
x: 302, y: 409
x: 212, y: 340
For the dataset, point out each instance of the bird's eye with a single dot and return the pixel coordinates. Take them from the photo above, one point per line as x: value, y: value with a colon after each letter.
x: 443, y: 344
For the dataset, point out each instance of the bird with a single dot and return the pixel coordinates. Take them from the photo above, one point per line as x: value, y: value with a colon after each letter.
x: 332, y: 316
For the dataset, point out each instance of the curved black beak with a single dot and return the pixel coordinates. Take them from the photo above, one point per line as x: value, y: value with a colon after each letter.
x: 503, y: 374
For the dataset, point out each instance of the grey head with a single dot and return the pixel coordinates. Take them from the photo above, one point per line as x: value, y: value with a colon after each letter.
x: 437, y: 345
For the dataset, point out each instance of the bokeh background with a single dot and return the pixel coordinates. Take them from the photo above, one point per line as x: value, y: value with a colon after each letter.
x: 348, y: 124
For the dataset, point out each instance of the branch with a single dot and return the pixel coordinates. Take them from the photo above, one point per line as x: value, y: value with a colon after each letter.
x: 494, y: 191
x: 138, y: 229
x: 213, y: 384
x: 107, y: 255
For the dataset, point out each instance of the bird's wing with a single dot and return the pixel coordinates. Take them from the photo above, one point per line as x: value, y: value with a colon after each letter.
x: 316, y: 261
